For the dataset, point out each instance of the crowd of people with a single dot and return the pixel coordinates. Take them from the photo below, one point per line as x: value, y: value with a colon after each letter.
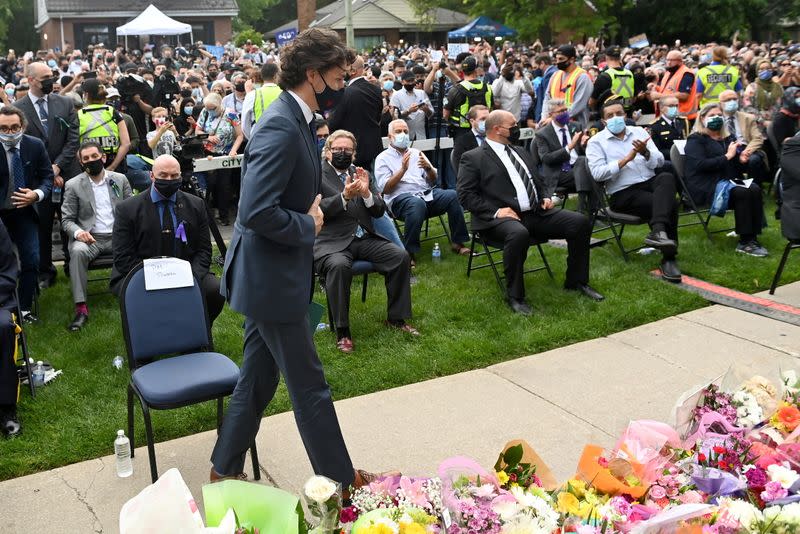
x: 93, y: 140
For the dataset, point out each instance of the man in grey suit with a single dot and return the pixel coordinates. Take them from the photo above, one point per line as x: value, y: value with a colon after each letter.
x: 87, y: 218
x: 349, y: 235
x: 559, y: 144
x: 269, y: 266
x: 52, y: 119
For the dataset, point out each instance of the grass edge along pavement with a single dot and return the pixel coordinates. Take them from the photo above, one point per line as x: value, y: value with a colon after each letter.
x: 464, y: 322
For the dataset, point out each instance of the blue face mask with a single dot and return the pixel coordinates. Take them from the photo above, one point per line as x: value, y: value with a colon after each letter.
x: 401, y: 141
x: 10, y: 91
x: 616, y: 125
x: 730, y: 106
x: 188, y: 110
x: 482, y: 127
x: 390, y: 58
x: 705, y: 58
x: 211, y: 113
x: 320, y: 145
x: 388, y: 85
x: 51, y: 63
x: 765, y: 75
x: 671, y: 112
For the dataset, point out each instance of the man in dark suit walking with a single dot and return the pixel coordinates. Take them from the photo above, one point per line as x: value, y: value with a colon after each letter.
x: 164, y: 221
x: 349, y: 234
x: 269, y: 266
x: 559, y: 144
x: 26, y: 178
x: 500, y: 186
x: 359, y: 112
x: 52, y: 119
x: 464, y: 143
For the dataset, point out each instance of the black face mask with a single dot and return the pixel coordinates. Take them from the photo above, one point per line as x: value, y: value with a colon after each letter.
x: 398, y: 86
x: 509, y: 76
x: 167, y: 188
x: 186, y: 93
x: 239, y: 87
x: 409, y: 87
x: 94, y: 167
x: 563, y: 65
x: 47, y: 86
x: 328, y: 98
x: 513, y: 134
x: 341, y: 161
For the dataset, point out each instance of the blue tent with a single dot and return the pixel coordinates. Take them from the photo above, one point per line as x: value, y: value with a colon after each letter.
x: 481, y: 27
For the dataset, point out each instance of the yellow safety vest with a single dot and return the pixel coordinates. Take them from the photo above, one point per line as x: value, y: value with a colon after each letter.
x: 97, y: 123
x: 716, y: 79
x: 622, y: 85
x: 564, y: 90
x: 265, y: 96
x: 471, y: 88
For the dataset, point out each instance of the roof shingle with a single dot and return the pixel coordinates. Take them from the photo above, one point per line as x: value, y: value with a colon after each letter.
x: 100, y: 6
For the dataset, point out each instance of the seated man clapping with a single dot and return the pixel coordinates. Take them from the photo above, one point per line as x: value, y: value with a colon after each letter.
x: 348, y: 234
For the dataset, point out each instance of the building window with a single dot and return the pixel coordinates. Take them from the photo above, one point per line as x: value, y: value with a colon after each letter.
x: 203, y: 31
x: 368, y: 42
x: 93, y: 34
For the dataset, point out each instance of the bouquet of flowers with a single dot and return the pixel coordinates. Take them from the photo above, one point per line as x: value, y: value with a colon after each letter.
x: 323, y: 499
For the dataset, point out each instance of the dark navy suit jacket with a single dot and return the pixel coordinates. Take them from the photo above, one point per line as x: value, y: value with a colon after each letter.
x: 270, y: 262
x: 38, y: 169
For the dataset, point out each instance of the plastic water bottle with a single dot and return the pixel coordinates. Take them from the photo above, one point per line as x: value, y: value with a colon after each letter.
x: 38, y: 374
x: 322, y: 326
x: 437, y: 253
x: 117, y: 362
x: 56, y: 195
x: 122, y: 448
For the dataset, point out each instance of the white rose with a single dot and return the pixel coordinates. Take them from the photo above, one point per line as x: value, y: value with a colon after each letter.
x: 789, y: 378
x: 784, y: 475
x: 319, y: 489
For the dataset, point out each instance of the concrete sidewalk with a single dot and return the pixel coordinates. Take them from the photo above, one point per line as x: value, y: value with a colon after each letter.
x: 558, y: 401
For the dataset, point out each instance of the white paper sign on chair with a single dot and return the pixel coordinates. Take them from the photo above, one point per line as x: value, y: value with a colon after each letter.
x: 167, y: 273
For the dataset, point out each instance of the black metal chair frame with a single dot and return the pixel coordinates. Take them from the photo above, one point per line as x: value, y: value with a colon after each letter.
x: 445, y: 233
x: 612, y: 219
x: 490, y: 248
x: 23, y: 344
x: 791, y: 245
x: 102, y: 262
x: 132, y: 390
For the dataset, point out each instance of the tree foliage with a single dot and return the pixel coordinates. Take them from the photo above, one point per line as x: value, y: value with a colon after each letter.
x: 19, y: 14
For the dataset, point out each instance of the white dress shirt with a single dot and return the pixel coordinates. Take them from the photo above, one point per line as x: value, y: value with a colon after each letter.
x: 414, y: 181
x: 231, y: 101
x: 605, y: 150
x: 573, y: 155
x: 516, y: 179
x: 403, y: 100
x: 104, y: 211
x: 308, y: 114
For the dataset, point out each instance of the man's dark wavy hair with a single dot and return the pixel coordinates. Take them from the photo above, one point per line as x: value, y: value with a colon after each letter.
x: 316, y: 48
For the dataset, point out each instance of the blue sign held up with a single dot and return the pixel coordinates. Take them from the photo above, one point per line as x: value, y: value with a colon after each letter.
x: 286, y: 36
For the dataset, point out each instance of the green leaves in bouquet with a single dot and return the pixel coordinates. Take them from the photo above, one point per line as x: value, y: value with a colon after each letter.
x: 243, y: 529
x: 302, y: 525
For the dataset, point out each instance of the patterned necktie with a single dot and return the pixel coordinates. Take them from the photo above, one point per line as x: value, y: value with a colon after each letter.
x: 566, y: 166
x: 480, y: 139
x: 19, y: 170
x: 533, y: 198
x: 359, y: 230
x: 732, y: 126
x: 43, y: 114
x: 167, y: 229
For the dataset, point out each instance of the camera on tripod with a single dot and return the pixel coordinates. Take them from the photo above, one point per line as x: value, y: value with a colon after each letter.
x: 188, y: 150
x: 165, y: 88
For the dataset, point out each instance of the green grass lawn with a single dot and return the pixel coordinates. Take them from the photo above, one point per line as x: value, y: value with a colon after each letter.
x: 464, y: 323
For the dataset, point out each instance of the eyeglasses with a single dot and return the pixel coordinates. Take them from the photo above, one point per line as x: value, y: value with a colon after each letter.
x: 345, y: 151
x: 11, y: 129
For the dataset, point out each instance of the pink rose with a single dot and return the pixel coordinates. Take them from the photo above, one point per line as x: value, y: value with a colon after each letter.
x: 657, y: 492
x: 691, y: 497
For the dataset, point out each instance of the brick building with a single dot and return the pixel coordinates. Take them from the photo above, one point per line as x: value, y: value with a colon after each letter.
x: 84, y: 22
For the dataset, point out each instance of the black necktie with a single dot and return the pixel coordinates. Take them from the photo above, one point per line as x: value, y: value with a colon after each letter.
x: 43, y: 114
x: 17, y: 167
x: 312, y: 129
x: 564, y: 141
x: 167, y: 230
x: 533, y: 198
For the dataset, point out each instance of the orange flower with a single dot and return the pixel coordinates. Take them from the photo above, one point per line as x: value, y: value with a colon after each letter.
x: 789, y: 417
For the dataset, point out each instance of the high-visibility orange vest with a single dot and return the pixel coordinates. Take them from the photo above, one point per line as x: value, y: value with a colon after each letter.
x: 564, y: 90
x: 669, y: 86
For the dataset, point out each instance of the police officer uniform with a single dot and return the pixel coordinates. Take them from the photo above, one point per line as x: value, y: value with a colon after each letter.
x: 464, y: 95
x: 99, y: 123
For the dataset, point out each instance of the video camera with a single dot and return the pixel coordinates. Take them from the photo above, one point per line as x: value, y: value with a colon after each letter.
x: 129, y: 86
x: 165, y: 89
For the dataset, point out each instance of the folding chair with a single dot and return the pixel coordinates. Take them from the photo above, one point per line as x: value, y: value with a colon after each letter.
x: 491, y: 247
x: 425, y: 235
x: 679, y: 164
x: 172, y: 323
x: 23, y: 344
x: 102, y: 262
x: 791, y: 245
x: 359, y: 267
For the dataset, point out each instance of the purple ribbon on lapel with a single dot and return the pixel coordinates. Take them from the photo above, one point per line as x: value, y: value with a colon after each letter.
x: 180, y: 232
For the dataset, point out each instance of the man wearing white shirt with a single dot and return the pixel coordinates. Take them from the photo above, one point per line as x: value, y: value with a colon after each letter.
x: 412, y: 105
x: 88, y: 220
x: 499, y: 184
x: 407, y: 179
x: 626, y: 158
x: 508, y: 89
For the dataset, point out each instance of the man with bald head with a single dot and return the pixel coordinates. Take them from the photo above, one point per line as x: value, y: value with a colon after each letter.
x: 500, y: 185
x: 52, y: 119
x: 678, y: 82
x: 165, y: 221
x: 360, y: 112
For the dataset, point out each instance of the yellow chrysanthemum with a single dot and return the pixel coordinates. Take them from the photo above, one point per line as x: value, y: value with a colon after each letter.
x: 411, y: 528
x: 502, y: 477
x: 378, y: 528
x: 568, y: 503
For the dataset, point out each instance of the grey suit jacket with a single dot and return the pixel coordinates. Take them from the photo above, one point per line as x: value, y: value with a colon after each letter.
x: 78, y: 210
x: 551, y: 153
x: 269, y: 267
x: 61, y: 140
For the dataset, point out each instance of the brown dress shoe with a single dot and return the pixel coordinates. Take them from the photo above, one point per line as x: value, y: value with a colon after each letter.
x: 216, y: 477
x: 404, y: 326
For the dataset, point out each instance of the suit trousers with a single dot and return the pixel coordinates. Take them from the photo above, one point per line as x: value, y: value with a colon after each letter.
x: 413, y: 210
x: 516, y: 238
x: 272, y: 350
x: 209, y: 285
x: 47, y: 213
x: 748, y: 210
x: 9, y: 381
x: 654, y: 200
x: 80, y: 256
x: 390, y: 260
x: 23, y: 228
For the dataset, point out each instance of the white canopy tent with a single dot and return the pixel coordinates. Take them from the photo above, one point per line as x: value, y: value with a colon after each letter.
x: 153, y: 22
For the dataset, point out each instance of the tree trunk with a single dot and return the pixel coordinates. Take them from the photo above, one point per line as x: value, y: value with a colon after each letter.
x: 306, y: 13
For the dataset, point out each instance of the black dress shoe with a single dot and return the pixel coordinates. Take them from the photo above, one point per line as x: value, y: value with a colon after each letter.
x: 78, y: 322
x: 520, y: 306
x: 28, y: 317
x: 47, y: 281
x: 670, y: 271
x: 588, y: 291
x: 660, y: 241
x: 9, y: 424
